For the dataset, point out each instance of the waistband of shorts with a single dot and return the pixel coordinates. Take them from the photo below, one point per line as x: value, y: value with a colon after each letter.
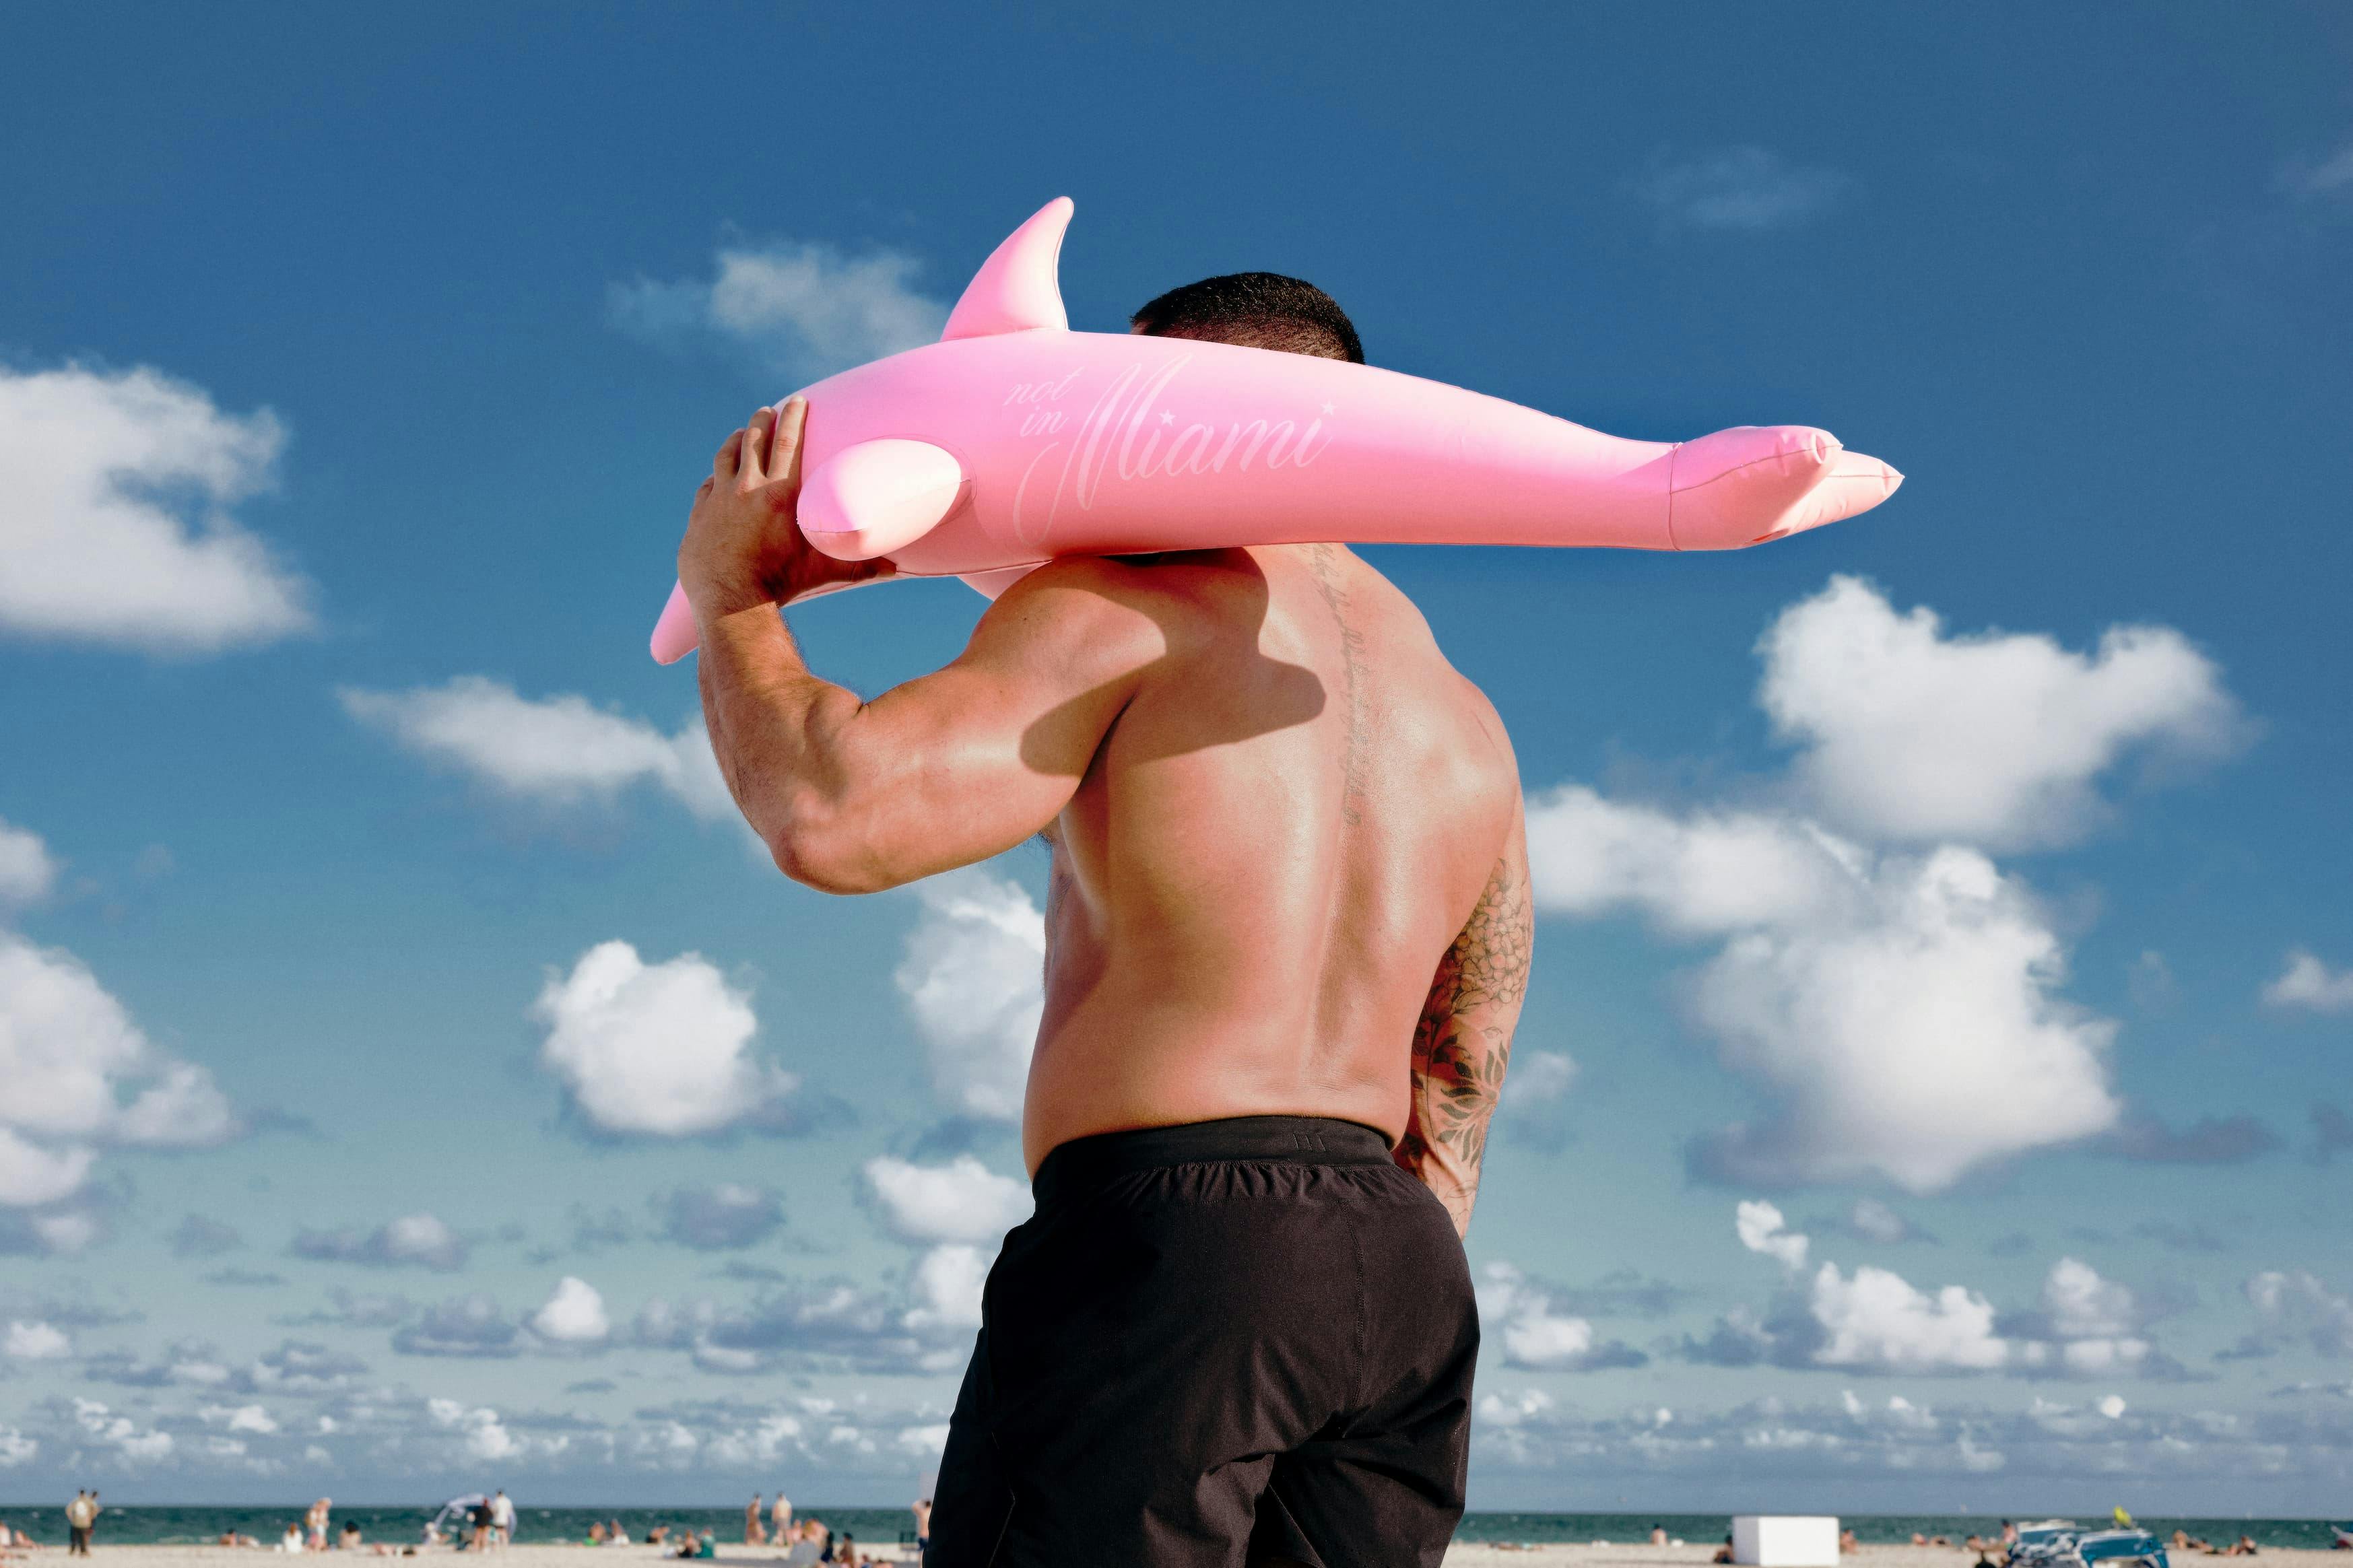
x: 1084, y: 1163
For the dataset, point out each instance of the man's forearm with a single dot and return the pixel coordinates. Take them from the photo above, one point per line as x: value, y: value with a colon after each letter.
x: 1463, y: 1044
x: 1454, y: 1095
x: 775, y: 727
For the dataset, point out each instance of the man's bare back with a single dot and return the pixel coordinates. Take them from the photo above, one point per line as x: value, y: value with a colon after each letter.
x: 1291, y: 821
x: 1290, y: 873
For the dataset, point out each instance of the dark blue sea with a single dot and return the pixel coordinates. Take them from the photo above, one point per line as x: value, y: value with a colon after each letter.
x: 163, y: 1526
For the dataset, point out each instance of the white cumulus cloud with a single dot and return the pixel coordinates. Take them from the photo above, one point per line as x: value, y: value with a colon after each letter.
x: 657, y: 1048
x: 974, y: 978
x: 27, y: 869
x: 1519, y: 1311
x: 558, y: 749
x: 70, y: 1055
x: 962, y: 1201
x: 1915, y: 1041
x: 1901, y: 1006
x: 573, y: 1315
x: 2300, y: 1306
x: 2310, y: 984
x: 36, y: 1341
x: 1705, y: 873
x: 804, y: 310
x: 419, y: 1240
x: 946, y: 1286
x: 1762, y: 1228
x: 1877, y: 1319
x: 117, y: 491
x: 1902, y: 1011
x: 1995, y: 740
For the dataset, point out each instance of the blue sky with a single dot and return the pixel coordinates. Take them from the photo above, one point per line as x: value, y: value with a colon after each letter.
x: 1964, y: 883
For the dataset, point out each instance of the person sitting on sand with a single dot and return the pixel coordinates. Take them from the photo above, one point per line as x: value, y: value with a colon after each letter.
x: 1723, y: 1552
x: 685, y: 1544
x: 659, y: 1535
x: 1658, y: 1535
x: 349, y: 1541
x: 1848, y: 1544
x: 2243, y: 1547
x: 292, y: 1540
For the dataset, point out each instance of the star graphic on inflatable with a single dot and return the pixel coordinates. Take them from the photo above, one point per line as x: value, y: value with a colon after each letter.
x: 1167, y: 418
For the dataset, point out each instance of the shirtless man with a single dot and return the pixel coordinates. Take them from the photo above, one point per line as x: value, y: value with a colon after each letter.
x: 1288, y: 935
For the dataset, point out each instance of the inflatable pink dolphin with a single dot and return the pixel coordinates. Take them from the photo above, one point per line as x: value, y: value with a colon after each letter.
x: 1013, y: 440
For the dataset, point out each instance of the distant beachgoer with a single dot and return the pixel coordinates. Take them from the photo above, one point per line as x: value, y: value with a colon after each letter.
x: 923, y: 1511
x: 1658, y: 1535
x: 1723, y: 1552
x: 315, y: 1521
x: 1847, y: 1543
x: 482, y: 1515
x: 753, y: 1535
x: 780, y: 1519
x: 292, y: 1540
x: 686, y: 1544
x: 502, y: 1518
x: 350, y: 1538
x: 2008, y: 1533
x: 81, y: 1517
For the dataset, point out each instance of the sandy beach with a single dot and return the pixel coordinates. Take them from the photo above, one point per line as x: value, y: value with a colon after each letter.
x: 1463, y: 1555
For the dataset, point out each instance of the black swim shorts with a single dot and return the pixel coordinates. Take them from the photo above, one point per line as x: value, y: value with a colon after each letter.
x: 1217, y: 1345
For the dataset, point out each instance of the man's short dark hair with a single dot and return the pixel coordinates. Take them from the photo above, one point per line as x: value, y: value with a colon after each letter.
x: 1257, y: 310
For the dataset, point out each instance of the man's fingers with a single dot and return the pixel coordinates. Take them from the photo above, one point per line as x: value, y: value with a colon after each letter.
x: 754, y: 470
x: 784, y: 446
x: 722, y: 463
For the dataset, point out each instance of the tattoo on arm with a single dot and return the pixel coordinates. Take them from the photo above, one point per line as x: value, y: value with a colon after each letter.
x: 1463, y: 1043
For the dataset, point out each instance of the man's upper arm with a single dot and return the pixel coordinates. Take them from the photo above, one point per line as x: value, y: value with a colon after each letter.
x: 960, y: 765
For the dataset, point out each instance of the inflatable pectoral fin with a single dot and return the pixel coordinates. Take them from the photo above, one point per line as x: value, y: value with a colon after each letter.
x: 875, y: 496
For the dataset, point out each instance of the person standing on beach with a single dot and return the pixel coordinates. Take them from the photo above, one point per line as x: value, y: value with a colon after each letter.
x: 752, y: 1534
x: 780, y: 1520
x: 502, y: 1520
x: 1288, y: 934
x: 81, y: 1517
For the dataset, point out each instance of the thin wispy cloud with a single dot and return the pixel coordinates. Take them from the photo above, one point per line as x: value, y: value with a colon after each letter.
x: 802, y: 309
x: 27, y: 869
x: 1744, y: 189
x: 117, y: 523
x: 559, y: 750
x: 2329, y: 176
x: 2308, y: 983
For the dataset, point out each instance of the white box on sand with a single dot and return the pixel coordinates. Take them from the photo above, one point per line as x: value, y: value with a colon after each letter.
x: 1785, y: 1539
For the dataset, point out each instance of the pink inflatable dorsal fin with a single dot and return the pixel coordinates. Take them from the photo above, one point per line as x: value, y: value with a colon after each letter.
x: 1017, y: 287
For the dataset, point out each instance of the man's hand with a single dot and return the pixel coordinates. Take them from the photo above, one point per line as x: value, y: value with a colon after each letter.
x: 744, y: 546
